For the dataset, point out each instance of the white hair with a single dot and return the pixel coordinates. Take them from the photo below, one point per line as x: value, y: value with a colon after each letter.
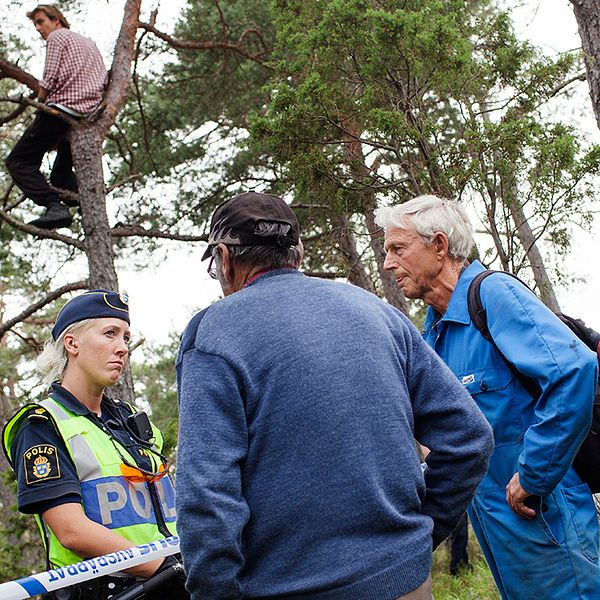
x: 52, y: 361
x: 428, y: 215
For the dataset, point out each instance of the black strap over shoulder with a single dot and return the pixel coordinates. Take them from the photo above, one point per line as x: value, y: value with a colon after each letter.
x: 476, y: 310
x: 587, y: 459
x: 478, y: 316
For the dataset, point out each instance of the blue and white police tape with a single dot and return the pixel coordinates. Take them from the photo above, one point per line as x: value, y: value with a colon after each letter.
x: 88, y: 569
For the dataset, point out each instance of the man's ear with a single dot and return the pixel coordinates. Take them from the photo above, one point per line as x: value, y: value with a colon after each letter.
x: 226, y: 263
x: 440, y: 243
x: 300, y: 247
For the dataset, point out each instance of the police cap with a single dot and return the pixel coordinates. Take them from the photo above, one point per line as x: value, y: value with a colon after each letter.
x: 94, y: 304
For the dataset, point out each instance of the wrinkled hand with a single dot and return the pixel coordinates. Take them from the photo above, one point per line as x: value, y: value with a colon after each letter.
x: 515, y: 496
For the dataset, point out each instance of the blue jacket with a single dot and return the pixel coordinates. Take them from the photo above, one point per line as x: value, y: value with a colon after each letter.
x: 551, y: 427
x: 554, y: 556
x: 297, y: 470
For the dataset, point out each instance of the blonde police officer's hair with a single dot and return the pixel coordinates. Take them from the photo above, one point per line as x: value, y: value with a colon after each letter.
x: 52, y: 361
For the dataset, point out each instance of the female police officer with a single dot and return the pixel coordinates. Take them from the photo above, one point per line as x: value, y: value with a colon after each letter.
x: 88, y: 467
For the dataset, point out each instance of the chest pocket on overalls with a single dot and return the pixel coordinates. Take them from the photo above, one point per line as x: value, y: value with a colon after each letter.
x: 491, y: 389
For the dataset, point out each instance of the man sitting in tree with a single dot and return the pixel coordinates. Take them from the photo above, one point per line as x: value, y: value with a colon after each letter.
x: 73, y: 82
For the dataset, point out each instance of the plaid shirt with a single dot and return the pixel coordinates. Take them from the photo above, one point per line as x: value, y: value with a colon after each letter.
x: 74, y: 73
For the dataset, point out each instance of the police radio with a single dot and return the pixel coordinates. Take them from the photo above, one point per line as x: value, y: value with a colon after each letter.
x: 139, y: 424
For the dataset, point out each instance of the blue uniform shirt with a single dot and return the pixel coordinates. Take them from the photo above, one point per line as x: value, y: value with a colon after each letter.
x: 34, y: 496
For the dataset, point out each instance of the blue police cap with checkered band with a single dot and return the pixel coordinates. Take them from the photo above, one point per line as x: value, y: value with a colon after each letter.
x: 94, y: 304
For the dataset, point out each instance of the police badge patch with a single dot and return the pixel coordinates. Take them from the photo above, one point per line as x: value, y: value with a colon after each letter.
x: 41, y: 463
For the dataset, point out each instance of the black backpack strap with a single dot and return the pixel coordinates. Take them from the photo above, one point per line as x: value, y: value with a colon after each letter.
x: 476, y: 310
x: 478, y: 316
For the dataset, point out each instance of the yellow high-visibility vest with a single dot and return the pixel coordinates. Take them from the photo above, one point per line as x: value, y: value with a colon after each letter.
x: 108, y: 499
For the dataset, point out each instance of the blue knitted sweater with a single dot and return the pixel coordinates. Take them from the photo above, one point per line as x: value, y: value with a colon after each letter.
x: 297, y: 472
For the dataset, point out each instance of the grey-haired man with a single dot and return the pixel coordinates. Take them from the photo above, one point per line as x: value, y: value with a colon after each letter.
x: 534, y: 518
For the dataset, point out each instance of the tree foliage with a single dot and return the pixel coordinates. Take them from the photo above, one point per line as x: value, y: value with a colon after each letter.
x: 156, y: 388
x: 385, y: 101
x: 348, y: 104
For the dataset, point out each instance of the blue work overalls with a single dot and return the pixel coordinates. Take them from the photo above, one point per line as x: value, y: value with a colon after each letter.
x: 554, y: 555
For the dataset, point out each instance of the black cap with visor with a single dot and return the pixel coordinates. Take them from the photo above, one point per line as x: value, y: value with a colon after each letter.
x: 236, y: 222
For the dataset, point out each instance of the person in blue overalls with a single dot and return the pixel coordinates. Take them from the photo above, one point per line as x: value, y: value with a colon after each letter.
x: 534, y: 518
x: 90, y: 467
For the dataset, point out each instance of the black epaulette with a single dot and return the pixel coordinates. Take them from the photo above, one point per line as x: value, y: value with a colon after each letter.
x: 38, y: 415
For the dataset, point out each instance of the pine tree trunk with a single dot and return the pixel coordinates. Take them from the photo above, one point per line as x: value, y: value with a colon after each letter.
x: 587, y: 13
x: 510, y: 197
x: 356, y: 273
x: 509, y: 192
x: 356, y: 161
x: 536, y: 262
x: 86, y: 146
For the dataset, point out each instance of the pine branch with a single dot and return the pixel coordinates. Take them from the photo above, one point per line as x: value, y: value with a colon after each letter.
x: 69, y: 287
x: 41, y: 233
x: 13, y: 115
x: 236, y: 48
x: 8, y: 69
x: 324, y: 275
x: 579, y: 77
x: 23, y: 100
x: 138, y: 230
x: 124, y: 181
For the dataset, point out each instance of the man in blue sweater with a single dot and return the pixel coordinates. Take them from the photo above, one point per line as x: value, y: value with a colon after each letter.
x: 300, y: 401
